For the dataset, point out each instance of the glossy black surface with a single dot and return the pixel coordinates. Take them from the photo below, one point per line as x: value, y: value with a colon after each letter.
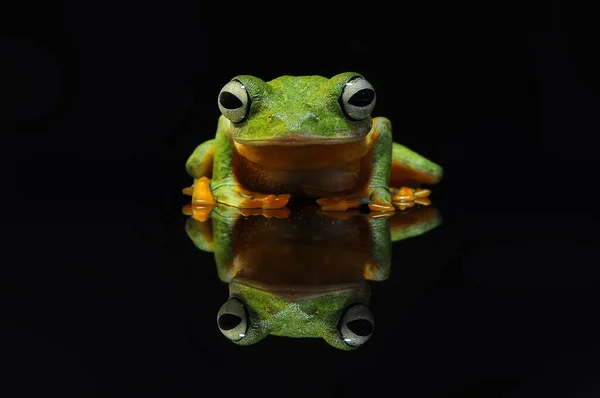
x: 104, y: 294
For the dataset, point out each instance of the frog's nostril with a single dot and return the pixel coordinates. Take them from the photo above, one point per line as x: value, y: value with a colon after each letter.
x: 312, y: 116
x: 306, y: 120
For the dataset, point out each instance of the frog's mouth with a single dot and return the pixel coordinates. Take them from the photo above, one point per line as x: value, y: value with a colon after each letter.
x: 292, y: 139
x: 299, y: 292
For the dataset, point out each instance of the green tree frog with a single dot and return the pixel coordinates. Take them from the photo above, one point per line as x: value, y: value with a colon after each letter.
x: 308, y: 136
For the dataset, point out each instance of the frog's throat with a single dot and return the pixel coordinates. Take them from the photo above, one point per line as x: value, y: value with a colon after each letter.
x: 295, y: 139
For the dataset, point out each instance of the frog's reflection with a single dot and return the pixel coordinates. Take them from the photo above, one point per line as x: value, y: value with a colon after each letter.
x: 301, y: 272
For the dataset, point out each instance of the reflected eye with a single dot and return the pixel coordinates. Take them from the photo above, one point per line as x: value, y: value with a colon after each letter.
x: 356, y: 325
x: 234, y: 101
x: 233, y: 320
x: 357, y: 98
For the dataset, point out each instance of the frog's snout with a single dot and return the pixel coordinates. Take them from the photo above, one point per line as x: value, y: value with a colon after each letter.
x: 296, y: 123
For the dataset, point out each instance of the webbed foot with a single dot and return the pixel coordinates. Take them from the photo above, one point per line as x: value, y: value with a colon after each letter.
x: 381, y: 200
x: 283, y: 212
x: 201, y: 194
x: 232, y: 195
x: 202, y: 200
x: 405, y: 197
x: 243, y: 199
x: 378, y: 200
x: 338, y: 204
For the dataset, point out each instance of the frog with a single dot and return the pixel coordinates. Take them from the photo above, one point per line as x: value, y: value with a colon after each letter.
x: 300, y: 272
x: 311, y: 137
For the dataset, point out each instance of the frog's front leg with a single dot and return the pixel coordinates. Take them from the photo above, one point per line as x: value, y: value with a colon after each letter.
x: 200, y: 165
x: 376, y: 192
x: 215, y: 235
x: 224, y: 184
x: 381, y: 249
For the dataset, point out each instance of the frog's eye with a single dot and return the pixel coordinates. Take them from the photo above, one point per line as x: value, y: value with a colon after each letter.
x: 234, y: 101
x: 358, y: 98
x: 356, y: 325
x: 233, y: 320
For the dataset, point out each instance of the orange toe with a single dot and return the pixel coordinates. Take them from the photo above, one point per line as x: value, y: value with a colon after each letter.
x: 404, y: 205
x: 423, y: 201
x: 378, y: 205
x: 404, y: 194
x: 422, y: 193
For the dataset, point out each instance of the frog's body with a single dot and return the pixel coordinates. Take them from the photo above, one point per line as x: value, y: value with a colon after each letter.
x: 303, y: 274
x: 308, y: 136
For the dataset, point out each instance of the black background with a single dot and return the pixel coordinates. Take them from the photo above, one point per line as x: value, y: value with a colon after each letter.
x: 103, y: 103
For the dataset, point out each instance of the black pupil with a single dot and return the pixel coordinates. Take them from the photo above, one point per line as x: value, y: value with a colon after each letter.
x: 362, y: 97
x: 361, y: 327
x: 229, y: 321
x: 229, y: 101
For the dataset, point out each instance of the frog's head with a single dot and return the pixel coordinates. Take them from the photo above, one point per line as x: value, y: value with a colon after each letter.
x: 298, y: 110
x: 338, y: 314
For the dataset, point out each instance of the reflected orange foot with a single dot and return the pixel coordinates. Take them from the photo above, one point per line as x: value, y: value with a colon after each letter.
x: 345, y: 203
x: 339, y: 215
x: 267, y: 213
x: 405, y: 197
x: 253, y: 200
x: 338, y: 204
x: 200, y: 213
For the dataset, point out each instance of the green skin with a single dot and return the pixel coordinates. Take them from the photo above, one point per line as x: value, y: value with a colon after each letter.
x: 300, y: 111
x: 316, y: 314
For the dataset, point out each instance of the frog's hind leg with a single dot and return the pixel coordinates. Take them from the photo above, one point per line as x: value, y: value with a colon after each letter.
x: 225, y: 186
x: 409, y: 172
